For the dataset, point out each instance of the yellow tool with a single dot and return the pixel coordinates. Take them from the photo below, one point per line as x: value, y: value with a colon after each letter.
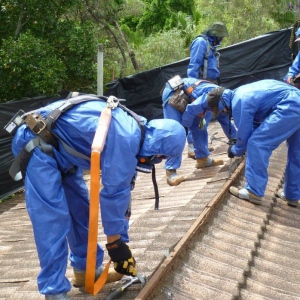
x: 92, y: 286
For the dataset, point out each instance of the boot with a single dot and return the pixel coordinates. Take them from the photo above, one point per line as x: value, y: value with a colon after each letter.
x: 78, y: 278
x: 245, y: 194
x: 280, y: 194
x: 207, y: 162
x: 173, y: 178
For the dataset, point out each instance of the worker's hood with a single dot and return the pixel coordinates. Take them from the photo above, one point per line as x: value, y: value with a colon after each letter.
x: 226, y: 97
x: 163, y: 136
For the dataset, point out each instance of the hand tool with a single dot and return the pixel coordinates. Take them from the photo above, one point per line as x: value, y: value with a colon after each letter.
x: 212, y: 137
x: 126, y: 282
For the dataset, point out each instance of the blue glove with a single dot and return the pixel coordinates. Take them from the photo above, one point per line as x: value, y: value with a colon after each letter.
x: 231, y: 142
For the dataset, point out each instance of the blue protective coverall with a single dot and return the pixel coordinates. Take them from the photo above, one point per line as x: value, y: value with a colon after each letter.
x: 267, y: 113
x: 58, y: 200
x: 190, y: 119
x: 294, y: 69
x: 198, y: 49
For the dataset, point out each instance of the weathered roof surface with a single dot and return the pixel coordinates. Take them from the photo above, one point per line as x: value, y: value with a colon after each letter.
x: 153, y: 232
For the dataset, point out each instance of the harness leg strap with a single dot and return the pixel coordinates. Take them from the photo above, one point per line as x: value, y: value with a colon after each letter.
x: 18, y: 168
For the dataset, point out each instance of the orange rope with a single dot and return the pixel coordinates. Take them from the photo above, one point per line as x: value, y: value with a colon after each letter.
x: 91, y: 286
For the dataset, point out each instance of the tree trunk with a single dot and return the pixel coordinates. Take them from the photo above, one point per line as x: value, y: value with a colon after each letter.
x: 107, y: 26
x: 130, y: 51
x: 19, y: 25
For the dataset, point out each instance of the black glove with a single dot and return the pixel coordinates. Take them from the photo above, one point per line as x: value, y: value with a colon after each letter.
x: 121, y: 255
x: 231, y: 142
x: 229, y: 153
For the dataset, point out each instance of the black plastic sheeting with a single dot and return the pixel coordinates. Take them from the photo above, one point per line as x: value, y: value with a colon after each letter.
x: 267, y: 56
x: 7, y: 111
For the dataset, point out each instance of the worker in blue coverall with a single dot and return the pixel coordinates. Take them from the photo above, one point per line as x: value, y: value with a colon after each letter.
x: 294, y: 69
x: 204, y: 60
x: 266, y: 113
x: 197, y: 126
x: 57, y: 197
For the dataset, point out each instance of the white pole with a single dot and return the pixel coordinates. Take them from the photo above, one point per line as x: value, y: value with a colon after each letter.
x: 100, y: 70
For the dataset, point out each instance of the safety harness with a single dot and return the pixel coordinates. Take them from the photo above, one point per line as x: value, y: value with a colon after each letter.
x: 182, y: 96
x: 188, y: 91
x: 205, y: 63
x: 46, y: 138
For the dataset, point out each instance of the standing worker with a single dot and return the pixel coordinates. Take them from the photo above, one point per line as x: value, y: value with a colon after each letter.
x: 204, y: 58
x: 189, y: 91
x: 266, y: 113
x: 52, y: 160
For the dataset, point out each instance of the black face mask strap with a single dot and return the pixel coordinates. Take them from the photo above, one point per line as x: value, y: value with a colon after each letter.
x: 155, y: 189
x: 226, y: 107
x: 229, y: 116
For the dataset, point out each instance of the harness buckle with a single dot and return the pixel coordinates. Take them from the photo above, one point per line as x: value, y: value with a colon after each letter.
x: 36, y: 123
x: 112, y: 102
x: 16, y: 121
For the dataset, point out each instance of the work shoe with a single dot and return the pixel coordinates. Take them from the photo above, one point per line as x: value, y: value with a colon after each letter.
x: 78, y: 278
x: 173, y: 178
x: 62, y: 296
x: 208, y: 162
x: 280, y: 194
x: 245, y: 194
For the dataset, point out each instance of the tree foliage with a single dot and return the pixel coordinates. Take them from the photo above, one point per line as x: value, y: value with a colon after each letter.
x: 39, y: 16
x: 244, y: 18
x: 49, y: 46
x: 29, y: 64
x: 161, y: 14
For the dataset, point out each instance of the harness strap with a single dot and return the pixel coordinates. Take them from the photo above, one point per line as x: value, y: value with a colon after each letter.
x: 191, y: 88
x: 156, y: 205
x: 206, y: 60
x: 18, y: 168
x: 209, y: 46
x: 206, y: 55
x: 139, y: 121
x: 55, y: 114
x: 71, y: 150
x: 37, y: 125
x: 69, y: 103
x: 46, y: 139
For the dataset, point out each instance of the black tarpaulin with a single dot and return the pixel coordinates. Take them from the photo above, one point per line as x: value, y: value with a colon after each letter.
x: 7, y: 111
